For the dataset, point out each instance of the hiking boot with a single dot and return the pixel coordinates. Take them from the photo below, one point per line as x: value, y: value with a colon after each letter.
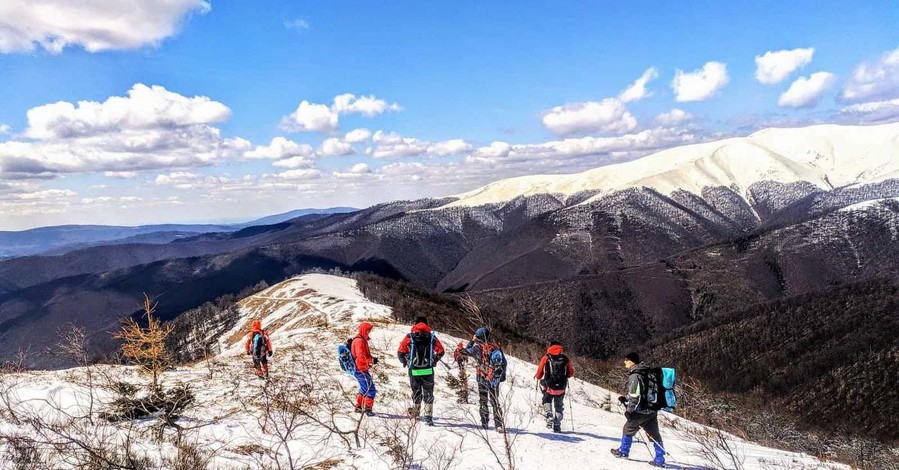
x: 656, y: 464
x: 429, y: 420
x: 369, y: 413
x: 619, y: 454
x: 557, y: 427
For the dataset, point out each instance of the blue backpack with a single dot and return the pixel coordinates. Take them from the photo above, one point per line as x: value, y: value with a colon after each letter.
x: 659, y: 389
x: 497, y: 362
x: 345, y: 357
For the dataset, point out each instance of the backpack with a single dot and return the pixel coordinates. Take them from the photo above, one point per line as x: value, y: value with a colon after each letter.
x: 658, y: 391
x: 495, y: 361
x: 345, y: 357
x: 260, y: 347
x: 421, y: 358
x: 555, y: 372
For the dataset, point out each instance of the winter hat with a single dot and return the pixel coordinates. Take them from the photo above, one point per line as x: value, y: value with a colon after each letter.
x: 421, y: 320
x: 257, y: 325
x: 481, y: 333
x: 633, y: 357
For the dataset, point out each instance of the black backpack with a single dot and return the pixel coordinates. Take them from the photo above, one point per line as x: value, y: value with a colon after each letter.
x: 421, y: 355
x: 658, y: 389
x: 555, y: 371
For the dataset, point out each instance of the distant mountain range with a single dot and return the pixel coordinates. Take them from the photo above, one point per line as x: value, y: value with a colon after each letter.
x: 64, y: 238
x: 609, y: 259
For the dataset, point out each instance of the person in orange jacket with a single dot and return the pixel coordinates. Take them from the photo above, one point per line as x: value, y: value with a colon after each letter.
x: 365, y: 399
x: 553, y: 373
x: 259, y: 346
x: 420, y: 351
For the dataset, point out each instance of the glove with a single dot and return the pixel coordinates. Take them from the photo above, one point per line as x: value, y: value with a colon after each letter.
x: 543, y: 384
x: 374, y: 360
x: 627, y: 414
x: 622, y: 400
x: 494, y: 383
x: 270, y: 353
x: 405, y: 364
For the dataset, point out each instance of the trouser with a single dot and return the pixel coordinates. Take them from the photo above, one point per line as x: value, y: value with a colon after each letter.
x: 485, y: 393
x: 365, y: 399
x: 557, y: 401
x: 649, y: 422
x: 422, y: 388
x: 260, y: 365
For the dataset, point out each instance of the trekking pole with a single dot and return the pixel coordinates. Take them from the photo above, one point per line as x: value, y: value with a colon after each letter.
x: 445, y: 365
x: 570, y: 409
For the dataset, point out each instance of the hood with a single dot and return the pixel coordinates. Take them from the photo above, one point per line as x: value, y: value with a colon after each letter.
x: 257, y: 325
x: 554, y: 350
x: 638, y: 368
x: 364, y: 330
x: 421, y: 328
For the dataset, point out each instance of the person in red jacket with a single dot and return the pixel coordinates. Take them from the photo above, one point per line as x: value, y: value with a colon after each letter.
x: 365, y: 399
x: 553, y: 373
x: 420, y: 351
x: 259, y: 346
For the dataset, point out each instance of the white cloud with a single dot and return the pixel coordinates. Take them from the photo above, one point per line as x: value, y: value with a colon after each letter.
x: 150, y: 128
x: 874, y: 111
x: 393, y: 145
x: 608, y: 116
x: 5, y: 129
x: 145, y: 107
x: 299, y: 175
x: 775, y: 66
x: 298, y: 24
x: 312, y: 117
x: 356, y: 136
x: 334, y: 147
x: 560, y: 150
x: 187, y: 180
x: 449, y: 147
x: 701, y: 84
x: 354, y: 172
x: 874, y: 81
x: 294, y: 162
x: 281, y: 148
x: 370, y: 106
x: 637, y: 90
x: 806, y: 91
x: 672, y: 118
x: 496, y: 150
x: 125, y: 175
x: 95, y: 25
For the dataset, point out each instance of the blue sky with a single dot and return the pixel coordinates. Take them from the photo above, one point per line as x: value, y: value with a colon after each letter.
x: 218, y: 81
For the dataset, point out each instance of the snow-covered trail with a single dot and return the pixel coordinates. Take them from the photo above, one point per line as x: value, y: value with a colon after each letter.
x: 307, y: 317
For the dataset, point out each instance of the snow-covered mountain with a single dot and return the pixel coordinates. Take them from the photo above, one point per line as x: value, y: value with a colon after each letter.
x: 236, y: 424
x: 826, y: 156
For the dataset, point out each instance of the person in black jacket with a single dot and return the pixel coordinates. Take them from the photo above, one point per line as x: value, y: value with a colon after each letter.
x: 637, y: 413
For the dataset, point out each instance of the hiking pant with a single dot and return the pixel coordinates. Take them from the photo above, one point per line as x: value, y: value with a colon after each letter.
x: 557, y: 401
x: 366, y: 385
x: 365, y: 399
x: 485, y: 392
x: 650, y: 423
x: 422, y: 388
x: 260, y: 365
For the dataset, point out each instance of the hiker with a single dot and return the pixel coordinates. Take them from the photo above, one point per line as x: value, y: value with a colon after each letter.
x: 420, y: 351
x: 491, y: 370
x: 553, y: 373
x: 260, y: 347
x: 365, y: 399
x: 638, y: 414
x: 459, y: 358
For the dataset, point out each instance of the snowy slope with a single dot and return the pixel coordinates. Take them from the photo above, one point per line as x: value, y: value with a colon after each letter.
x: 826, y: 156
x: 307, y: 317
